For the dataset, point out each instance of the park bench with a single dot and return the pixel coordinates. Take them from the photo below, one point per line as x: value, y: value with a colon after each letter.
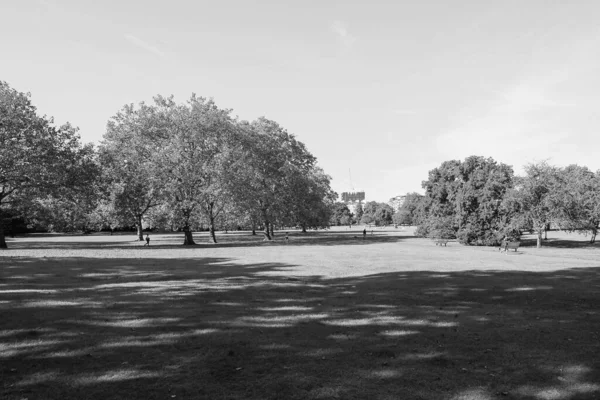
x: 510, y: 245
x: 441, y: 242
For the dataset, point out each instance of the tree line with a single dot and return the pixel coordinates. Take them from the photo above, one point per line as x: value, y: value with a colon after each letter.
x: 479, y: 201
x: 163, y: 165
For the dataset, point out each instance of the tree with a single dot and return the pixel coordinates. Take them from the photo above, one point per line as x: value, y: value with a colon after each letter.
x: 310, y: 198
x: 383, y: 214
x: 407, y: 214
x: 195, y: 159
x: 36, y: 158
x: 478, y: 211
x: 358, y: 213
x: 577, y: 200
x: 129, y: 155
x: 340, y: 214
x: 532, y: 201
x: 464, y: 200
x: 438, y: 208
x: 268, y: 172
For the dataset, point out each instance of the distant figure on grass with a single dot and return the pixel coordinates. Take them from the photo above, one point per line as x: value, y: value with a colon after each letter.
x: 147, y: 240
x: 287, y: 238
x: 504, y: 244
x: 364, y: 233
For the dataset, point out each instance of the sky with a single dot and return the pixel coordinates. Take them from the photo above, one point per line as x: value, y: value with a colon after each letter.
x: 380, y: 91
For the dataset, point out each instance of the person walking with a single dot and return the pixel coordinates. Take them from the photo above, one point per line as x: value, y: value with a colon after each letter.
x: 147, y: 240
x: 364, y: 233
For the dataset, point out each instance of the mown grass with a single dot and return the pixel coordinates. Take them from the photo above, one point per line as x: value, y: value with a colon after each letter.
x: 325, y: 316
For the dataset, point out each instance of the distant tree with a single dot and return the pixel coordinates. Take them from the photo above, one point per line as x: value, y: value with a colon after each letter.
x: 383, y: 214
x: 533, y: 201
x: 407, y: 213
x: 310, y: 198
x: 577, y: 200
x: 36, y: 158
x: 358, y: 213
x: 105, y: 216
x: 340, y: 214
x: 377, y: 213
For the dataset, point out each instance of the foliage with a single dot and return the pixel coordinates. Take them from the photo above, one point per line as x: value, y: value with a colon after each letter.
x: 407, y: 213
x: 577, y: 200
x: 37, y: 159
x: 463, y: 199
x: 275, y: 177
x: 129, y: 155
x: 532, y: 201
x: 376, y: 213
x: 340, y: 214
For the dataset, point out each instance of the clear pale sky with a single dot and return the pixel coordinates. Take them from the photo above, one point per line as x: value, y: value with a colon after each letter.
x: 388, y: 89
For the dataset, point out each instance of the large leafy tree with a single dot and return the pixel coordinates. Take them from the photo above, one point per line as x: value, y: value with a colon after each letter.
x: 482, y: 185
x: 267, y: 171
x: 577, y: 200
x: 533, y: 200
x: 36, y: 157
x: 464, y: 200
x: 195, y: 159
x: 129, y: 155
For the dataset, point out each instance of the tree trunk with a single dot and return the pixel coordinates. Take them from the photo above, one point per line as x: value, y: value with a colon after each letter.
x: 188, y: 237
x: 212, y: 238
x: 539, y: 239
x: 545, y: 232
x: 594, y: 233
x: 303, y: 228
x: 2, y: 240
x: 138, y: 225
x: 253, y: 231
x: 267, y: 231
x: 272, y: 231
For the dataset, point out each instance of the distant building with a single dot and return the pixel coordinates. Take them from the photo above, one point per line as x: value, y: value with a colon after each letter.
x: 350, y: 197
x: 396, y: 202
x: 353, y: 199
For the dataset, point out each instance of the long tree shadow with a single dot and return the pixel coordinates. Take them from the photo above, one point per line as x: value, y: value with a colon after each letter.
x: 76, y: 328
x: 561, y: 243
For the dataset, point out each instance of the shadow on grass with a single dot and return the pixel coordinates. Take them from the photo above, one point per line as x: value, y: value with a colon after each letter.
x: 212, y: 329
x: 561, y: 243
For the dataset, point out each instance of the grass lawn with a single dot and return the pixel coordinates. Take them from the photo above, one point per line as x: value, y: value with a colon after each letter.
x: 326, y: 315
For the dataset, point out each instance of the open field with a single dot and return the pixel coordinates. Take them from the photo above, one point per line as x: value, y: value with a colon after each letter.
x: 325, y: 316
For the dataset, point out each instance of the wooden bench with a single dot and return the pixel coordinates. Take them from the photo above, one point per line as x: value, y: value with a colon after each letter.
x: 441, y: 242
x: 510, y: 245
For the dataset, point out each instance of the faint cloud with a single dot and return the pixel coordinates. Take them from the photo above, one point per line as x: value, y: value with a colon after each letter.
x: 136, y: 41
x: 341, y: 31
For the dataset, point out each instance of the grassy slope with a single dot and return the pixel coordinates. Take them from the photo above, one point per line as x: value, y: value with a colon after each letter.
x: 324, y: 316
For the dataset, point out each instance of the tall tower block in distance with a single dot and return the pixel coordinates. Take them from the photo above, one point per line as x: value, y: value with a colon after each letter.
x: 352, y: 199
